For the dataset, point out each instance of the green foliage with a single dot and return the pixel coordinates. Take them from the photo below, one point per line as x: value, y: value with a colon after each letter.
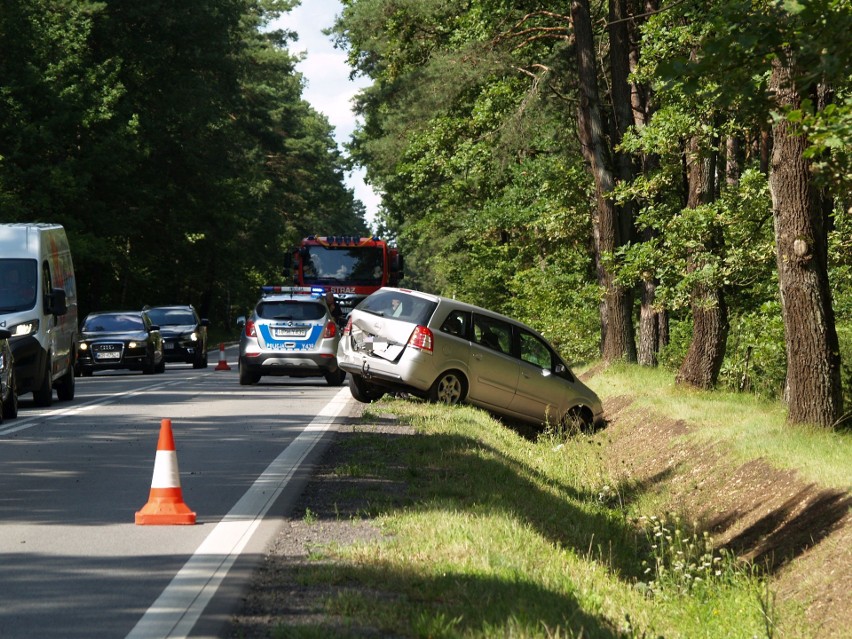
x: 755, y: 359
x: 172, y: 142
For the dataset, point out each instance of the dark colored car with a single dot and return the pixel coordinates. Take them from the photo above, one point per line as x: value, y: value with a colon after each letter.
x: 184, y: 333
x: 120, y: 339
x: 8, y: 394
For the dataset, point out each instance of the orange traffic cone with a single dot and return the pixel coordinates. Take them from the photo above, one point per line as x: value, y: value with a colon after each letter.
x: 165, y: 504
x: 223, y: 363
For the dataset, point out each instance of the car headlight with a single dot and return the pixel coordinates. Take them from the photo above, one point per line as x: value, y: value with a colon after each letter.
x: 133, y: 344
x: 83, y: 346
x: 24, y: 328
x: 193, y: 336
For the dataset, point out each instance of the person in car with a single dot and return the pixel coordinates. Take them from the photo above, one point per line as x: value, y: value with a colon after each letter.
x: 333, y: 307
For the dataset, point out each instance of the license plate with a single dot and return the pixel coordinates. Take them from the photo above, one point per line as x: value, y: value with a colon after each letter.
x: 289, y: 332
x: 109, y: 355
x: 169, y: 346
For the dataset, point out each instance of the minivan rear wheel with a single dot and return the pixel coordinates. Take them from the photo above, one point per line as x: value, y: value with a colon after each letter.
x: 364, y: 391
x: 450, y: 388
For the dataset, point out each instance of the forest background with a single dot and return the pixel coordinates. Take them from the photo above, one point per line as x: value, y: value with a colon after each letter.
x: 661, y: 184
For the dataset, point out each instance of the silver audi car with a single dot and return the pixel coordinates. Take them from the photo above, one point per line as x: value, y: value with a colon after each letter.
x: 447, y: 351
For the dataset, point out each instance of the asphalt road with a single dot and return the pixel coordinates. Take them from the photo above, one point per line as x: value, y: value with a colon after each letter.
x: 73, y: 563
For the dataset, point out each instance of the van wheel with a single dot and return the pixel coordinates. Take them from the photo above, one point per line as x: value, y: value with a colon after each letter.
x: 10, y: 406
x: 65, y: 386
x: 43, y: 395
x: 362, y: 391
x: 450, y: 388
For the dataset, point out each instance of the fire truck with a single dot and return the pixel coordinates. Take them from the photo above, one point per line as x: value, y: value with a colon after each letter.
x: 350, y: 267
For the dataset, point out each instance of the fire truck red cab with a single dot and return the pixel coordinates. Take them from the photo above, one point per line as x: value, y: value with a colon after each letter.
x: 350, y: 267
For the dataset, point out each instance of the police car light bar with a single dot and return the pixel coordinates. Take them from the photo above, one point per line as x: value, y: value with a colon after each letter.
x: 294, y: 290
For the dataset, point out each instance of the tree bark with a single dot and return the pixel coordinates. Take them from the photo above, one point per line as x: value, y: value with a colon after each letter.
x: 706, y: 351
x: 617, y: 338
x: 813, y: 358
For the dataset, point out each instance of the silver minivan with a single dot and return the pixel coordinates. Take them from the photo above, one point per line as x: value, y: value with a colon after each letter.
x: 447, y: 351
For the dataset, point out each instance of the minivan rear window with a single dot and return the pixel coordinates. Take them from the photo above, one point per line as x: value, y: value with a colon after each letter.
x: 408, y: 308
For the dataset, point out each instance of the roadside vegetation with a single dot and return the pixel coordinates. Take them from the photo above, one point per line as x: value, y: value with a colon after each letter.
x: 496, y: 530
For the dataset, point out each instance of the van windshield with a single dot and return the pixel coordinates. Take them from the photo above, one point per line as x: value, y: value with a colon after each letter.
x: 18, y: 284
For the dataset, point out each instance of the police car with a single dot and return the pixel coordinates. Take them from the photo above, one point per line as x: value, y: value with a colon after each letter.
x: 292, y: 332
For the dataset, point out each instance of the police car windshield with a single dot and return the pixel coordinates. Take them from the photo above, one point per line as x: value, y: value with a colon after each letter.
x: 290, y: 310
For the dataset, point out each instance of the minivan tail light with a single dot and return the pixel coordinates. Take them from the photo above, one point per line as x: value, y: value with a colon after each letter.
x: 250, y: 330
x: 421, y: 339
x: 330, y: 329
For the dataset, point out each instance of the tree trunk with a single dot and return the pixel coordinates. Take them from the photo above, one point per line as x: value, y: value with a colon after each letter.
x: 709, y: 311
x: 813, y: 358
x: 617, y: 339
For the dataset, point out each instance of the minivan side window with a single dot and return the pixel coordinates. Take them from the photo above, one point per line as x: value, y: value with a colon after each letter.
x: 492, y: 333
x: 456, y: 323
x: 534, y: 351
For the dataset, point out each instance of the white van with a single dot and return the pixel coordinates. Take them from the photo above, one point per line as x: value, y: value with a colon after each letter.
x: 38, y: 305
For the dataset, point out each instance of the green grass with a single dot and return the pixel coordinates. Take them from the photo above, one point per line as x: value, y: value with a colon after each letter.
x: 749, y: 427
x: 506, y: 535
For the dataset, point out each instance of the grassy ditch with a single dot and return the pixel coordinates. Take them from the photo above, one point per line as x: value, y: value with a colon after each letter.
x: 504, y: 532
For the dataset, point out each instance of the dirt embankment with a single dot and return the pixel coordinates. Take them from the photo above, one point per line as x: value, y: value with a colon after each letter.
x: 799, y: 531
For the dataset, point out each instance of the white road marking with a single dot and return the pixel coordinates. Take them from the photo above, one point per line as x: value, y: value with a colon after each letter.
x: 180, y: 605
x: 30, y: 422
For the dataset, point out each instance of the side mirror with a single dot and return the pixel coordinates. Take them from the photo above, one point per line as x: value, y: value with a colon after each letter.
x: 205, y: 322
x: 241, y: 321
x: 153, y: 328
x: 57, y: 302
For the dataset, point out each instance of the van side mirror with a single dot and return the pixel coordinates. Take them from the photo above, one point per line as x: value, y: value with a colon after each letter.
x: 57, y: 303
